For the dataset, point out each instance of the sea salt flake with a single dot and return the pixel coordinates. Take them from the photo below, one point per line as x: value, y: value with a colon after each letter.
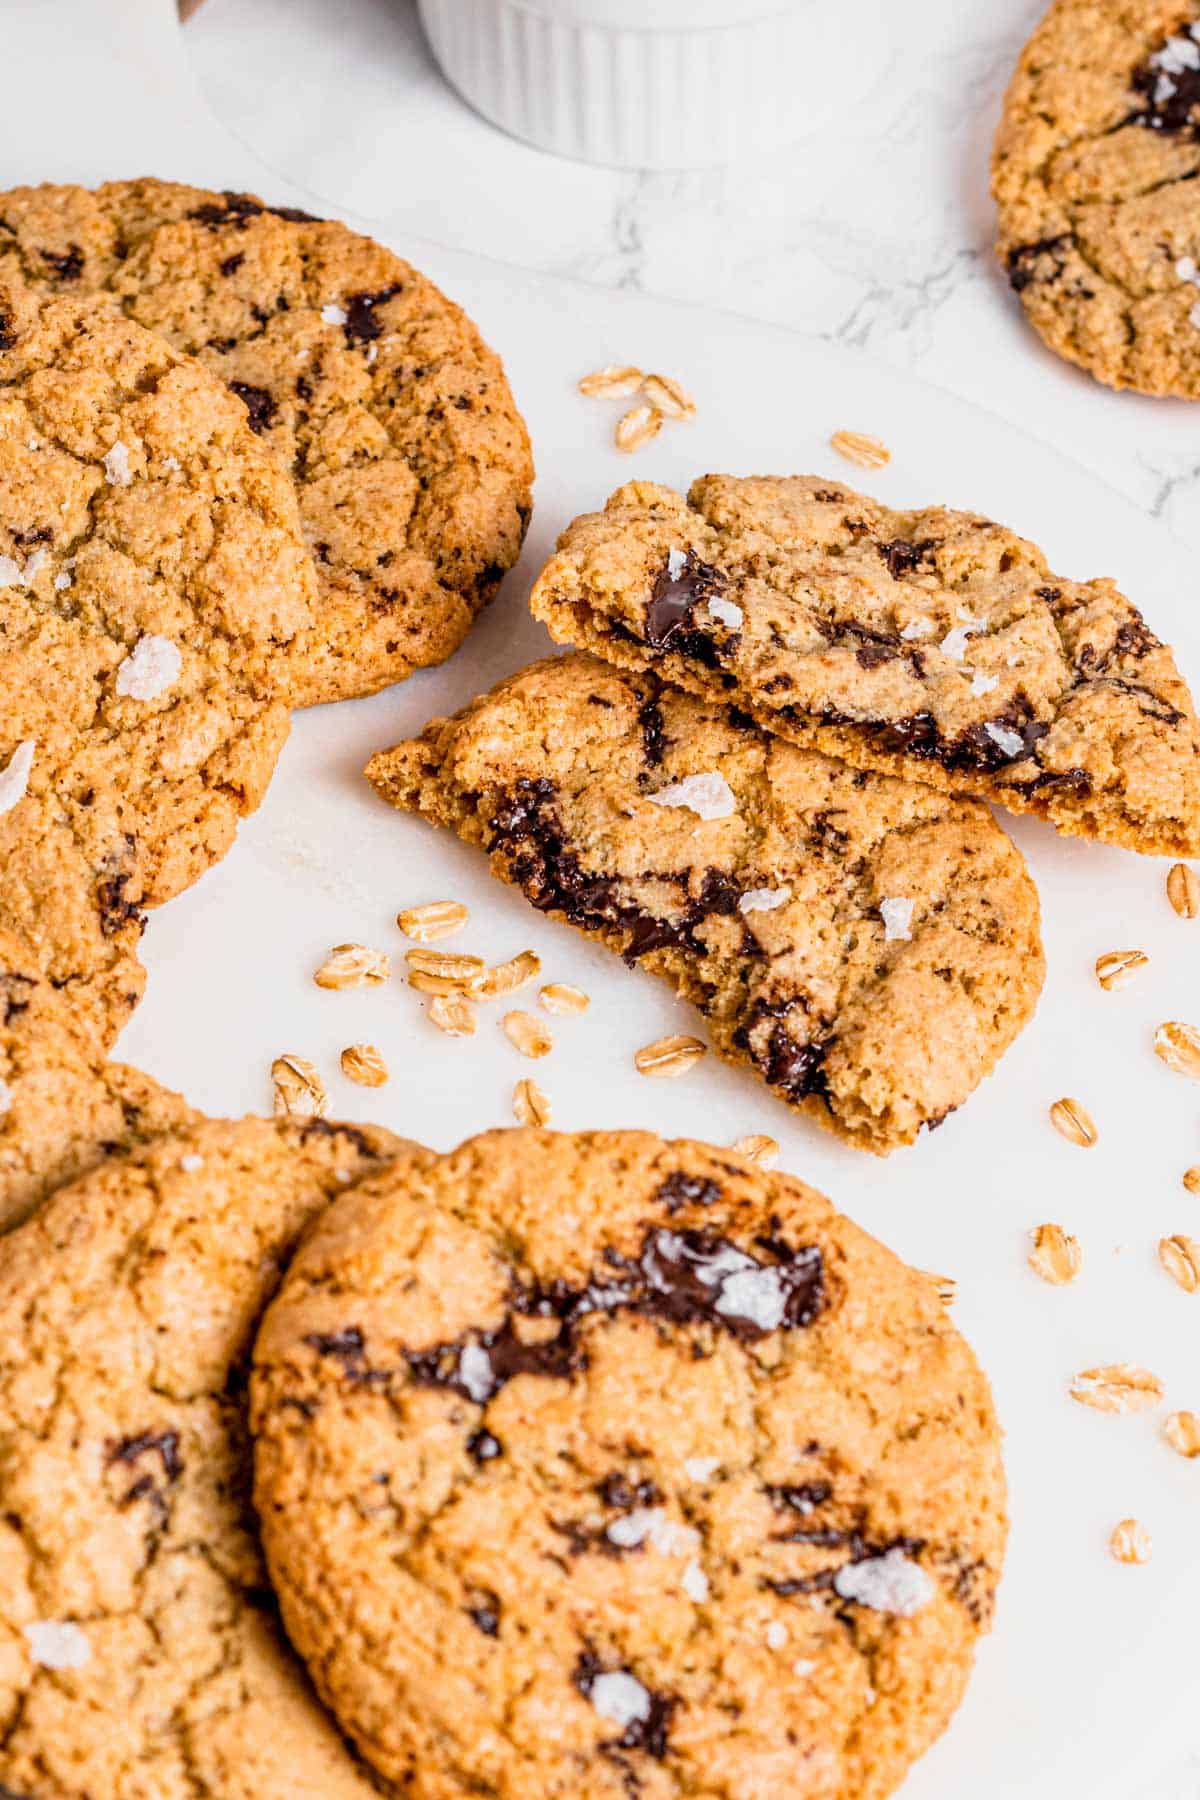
x: 1185, y: 268
x: 754, y: 1294
x: 475, y: 1372
x: 803, y: 1666
x: 983, y: 684
x: 694, y: 1582
x: 372, y: 352
x: 889, y: 1584
x: 917, y: 628
x: 62, y: 581
x: 620, y: 1697
x: 1011, y: 742
x: 14, y: 780
x: 1194, y: 315
x: 116, y: 465
x: 709, y: 796
x: 57, y: 1644
x: 152, y: 667
x: 333, y: 314
x: 897, y: 918
x: 763, y: 899
x: 190, y: 1163
x: 34, y: 565
x: 777, y: 1635
x: 10, y: 572
x: 676, y: 563
x: 725, y: 613
x: 6, y: 1098
x: 955, y: 641
x: 699, y: 1468
x: 173, y: 463
x: 1164, y: 88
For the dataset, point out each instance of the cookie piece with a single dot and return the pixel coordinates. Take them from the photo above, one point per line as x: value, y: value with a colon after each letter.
x: 411, y: 462
x: 139, y: 1649
x: 1092, y: 172
x: 152, y: 572
x: 931, y: 644
x: 61, y: 1110
x: 596, y: 1465
x: 868, y: 946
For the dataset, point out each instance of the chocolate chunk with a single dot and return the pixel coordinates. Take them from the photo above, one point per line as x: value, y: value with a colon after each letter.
x: 616, y: 1490
x: 651, y: 721
x: 115, y: 910
x: 164, y: 1444
x: 15, y: 991
x: 1044, y: 260
x: 1172, y: 102
x: 485, y: 1613
x: 361, y: 323
x: 901, y: 556
x: 680, y: 1189
x: 238, y: 209
x: 8, y: 330
x: 347, y: 1346
x: 259, y: 403
x: 68, y: 265
x: 804, y: 1498
x: 232, y: 264
x: 675, y: 596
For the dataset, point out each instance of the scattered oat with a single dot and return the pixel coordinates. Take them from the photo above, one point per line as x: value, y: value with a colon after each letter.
x: 1183, y: 890
x: 1074, y: 1122
x: 561, y: 997
x: 441, y: 972
x: 453, y: 1014
x: 363, y: 1063
x: 1191, y: 1179
x: 669, y: 397
x: 1056, y: 1255
x: 616, y: 381
x: 1178, y: 1045
x: 1117, y: 967
x: 708, y: 795
x: 637, y: 427
x: 14, y: 779
x: 858, y: 447
x: 1130, y: 1542
x: 151, y: 668
x: 1182, y: 1432
x: 669, y: 1057
x: 758, y: 1148
x: 527, y: 1034
x: 437, y: 919
x: 116, y: 465
x: 897, y: 919
x: 299, y: 1091
x: 1117, y: 1388
x: 507, y: 977
x: 530, y: 1105
x: 353, y: 966
x: 1180, y: 1257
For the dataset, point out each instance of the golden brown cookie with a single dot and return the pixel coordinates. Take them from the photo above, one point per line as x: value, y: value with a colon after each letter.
x: 932, y: 644
x: 140, y: 1655
x: 1094, y: 173
x: 594, y: 1465
x: 152, y: 573
x: 61, y: 1109
x: 868, y: 946
x: 411, y: 462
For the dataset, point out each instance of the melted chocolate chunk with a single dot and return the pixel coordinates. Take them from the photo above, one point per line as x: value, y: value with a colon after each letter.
x: 648, y: 1734
x: 804, y: 1498
x: 617, y: 1491
x: 259, y: 403
x: 1133, y: 639
x: 68, y: 265
x: 361, y: 323
x: 860, y: 1548
x: 675, y: 597
x: 901, y: 556
x: 347, y: 1346
x: 1044, y: 260
x: 975, y: 749
x: 485, y: 1613
x: 238, y: 209
x: 1172, y: 98
x: 115, y: 909
x: 797, y: 1069
x: 8, y: 330
x: 680, y: 1189
x: 14, y: 996
x: 232, y: 264
x: 164, y: 1444
x: 650, y: 720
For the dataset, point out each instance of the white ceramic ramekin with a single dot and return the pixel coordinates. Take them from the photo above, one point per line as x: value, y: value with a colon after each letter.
x: 655, y: 84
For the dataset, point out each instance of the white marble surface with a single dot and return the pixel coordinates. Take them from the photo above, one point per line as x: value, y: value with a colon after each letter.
x: 873, y: 233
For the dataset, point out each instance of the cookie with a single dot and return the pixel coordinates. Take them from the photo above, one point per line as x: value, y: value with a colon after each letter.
x: 868, y: 946
x: 61, y: 1109
x: 595, y: 1466
x: 140, y: 1654
x: 411, y: 462
x: 932, y: 644
x: 1092, y: 172
x: 152, y: 572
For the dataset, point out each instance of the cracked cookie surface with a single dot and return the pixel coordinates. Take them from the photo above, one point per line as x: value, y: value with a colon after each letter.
x: 411, y: 463
x: 596, y: 1466
x: 1093, y: 172
x: 932, y: 644
x: 152, y: 571
x: 140, y: 1653
x: 870, y: 947
x: 61, y: 1109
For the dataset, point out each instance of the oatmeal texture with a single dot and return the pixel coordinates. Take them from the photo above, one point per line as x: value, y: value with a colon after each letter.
x: 375, y: 392
x: 1093, y: 172
x: 931, y: 644
x: 598, y: 1466
x: 768, y: 893
x: 140, y: 1652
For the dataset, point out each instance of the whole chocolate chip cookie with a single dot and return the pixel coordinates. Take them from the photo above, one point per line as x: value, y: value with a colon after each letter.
x: 140, y: 1654
x: 61, y: 1109
x: 868, y: 946
x: 932, y: 644
x: 395, y: 420
x: 595, y: 1465
x: 152, y: 573
x: 1094, y: 173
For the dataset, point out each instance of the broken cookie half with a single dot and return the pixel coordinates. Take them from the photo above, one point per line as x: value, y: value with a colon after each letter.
x: 933, y: 644
x: 869, y: 946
